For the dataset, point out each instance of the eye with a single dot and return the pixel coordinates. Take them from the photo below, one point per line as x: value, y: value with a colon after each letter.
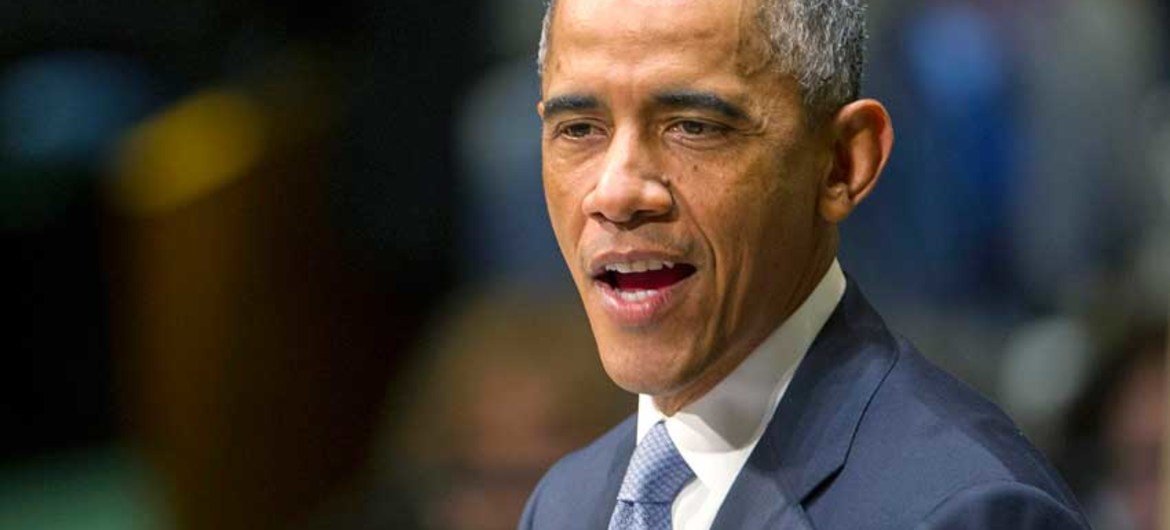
x: 698, y: 134
x: 697, y: 128
x: 578, y: 130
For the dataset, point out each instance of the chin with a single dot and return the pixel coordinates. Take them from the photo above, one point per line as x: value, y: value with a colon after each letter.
x: 643, y: 370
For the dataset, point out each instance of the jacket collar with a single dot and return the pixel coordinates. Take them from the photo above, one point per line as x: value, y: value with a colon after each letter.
x: 612, y: 472
x: 810, y: 434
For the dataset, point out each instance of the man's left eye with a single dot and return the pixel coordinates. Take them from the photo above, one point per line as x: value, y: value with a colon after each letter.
x: 697, y: 128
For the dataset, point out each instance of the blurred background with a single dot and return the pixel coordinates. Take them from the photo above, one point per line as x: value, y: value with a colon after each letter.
x: 276, y: 265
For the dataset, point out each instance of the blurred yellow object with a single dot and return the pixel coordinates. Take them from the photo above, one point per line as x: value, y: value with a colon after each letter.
x: 188, y: 151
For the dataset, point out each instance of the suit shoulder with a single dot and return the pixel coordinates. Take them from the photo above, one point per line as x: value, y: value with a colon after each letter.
x: 1002, y: 504
x: 925, y: 436
x: 940, y: 416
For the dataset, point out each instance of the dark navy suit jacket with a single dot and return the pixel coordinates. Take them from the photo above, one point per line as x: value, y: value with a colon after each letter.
x: 869, y: 435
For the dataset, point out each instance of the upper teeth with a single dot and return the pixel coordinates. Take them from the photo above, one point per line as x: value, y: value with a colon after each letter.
x: 639, y: 266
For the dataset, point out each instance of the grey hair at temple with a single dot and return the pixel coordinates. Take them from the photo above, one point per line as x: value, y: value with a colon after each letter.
x: 819, y: 42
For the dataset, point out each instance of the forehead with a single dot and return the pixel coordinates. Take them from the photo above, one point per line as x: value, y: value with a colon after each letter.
x: 652, y: 19
x: 625, y: 39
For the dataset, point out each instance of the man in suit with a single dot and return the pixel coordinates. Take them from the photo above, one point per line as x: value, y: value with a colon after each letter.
x: 697, y: 158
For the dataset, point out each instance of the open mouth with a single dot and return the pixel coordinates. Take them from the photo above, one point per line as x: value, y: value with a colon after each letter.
x: 644, y: 275
x: 639, y: 293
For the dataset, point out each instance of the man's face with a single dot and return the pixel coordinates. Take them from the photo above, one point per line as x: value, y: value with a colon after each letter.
x: 682, y: 185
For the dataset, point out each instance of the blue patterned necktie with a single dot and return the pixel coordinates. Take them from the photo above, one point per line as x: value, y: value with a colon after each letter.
x: 655, y: 476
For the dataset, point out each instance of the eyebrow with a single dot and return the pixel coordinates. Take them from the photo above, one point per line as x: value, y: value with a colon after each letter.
x: 569, y: 103
x: 700, y: 100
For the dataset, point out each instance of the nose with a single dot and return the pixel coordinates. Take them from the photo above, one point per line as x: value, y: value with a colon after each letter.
x: 631, y: 187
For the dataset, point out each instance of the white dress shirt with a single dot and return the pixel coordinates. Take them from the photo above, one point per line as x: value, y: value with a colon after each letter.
x: 717, y: 432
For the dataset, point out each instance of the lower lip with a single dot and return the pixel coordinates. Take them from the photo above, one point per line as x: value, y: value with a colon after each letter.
x: 645, y: 308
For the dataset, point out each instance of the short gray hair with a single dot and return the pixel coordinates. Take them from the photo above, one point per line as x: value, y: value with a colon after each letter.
x: 819, y: 42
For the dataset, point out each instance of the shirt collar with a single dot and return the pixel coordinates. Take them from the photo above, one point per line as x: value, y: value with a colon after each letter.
x: 716, y: 433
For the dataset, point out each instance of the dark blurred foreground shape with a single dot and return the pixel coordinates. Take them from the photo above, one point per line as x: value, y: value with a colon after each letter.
x: 253, y: 354
x: 263, y: 230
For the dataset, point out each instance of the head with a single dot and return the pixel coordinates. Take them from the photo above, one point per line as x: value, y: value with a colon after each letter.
x: 697, y: 158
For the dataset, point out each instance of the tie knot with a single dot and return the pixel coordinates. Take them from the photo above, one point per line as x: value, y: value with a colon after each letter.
x: 657, y: 472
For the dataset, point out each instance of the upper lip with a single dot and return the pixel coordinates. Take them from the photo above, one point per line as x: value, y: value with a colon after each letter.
x: 597, y: 264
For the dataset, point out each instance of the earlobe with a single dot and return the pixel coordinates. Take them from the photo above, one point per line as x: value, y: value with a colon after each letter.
x: 863, y: 137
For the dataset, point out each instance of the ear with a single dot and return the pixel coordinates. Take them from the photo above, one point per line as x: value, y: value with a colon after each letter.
x: 862, y: 137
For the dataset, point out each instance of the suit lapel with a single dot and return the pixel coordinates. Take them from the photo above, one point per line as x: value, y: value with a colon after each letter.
x: 810, y: 434
x: 614, y: 471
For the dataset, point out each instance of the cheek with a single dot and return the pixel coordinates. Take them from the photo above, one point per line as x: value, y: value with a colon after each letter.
x: 557, y: 201
x: 564, y: 191
x: 732, y: 208
x: 557, y: 188
x: 755, y: 222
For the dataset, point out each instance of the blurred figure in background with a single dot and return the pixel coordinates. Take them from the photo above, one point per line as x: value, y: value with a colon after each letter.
x: 503, y: 386
x: 509, y: 384
x: 1116, y: 433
